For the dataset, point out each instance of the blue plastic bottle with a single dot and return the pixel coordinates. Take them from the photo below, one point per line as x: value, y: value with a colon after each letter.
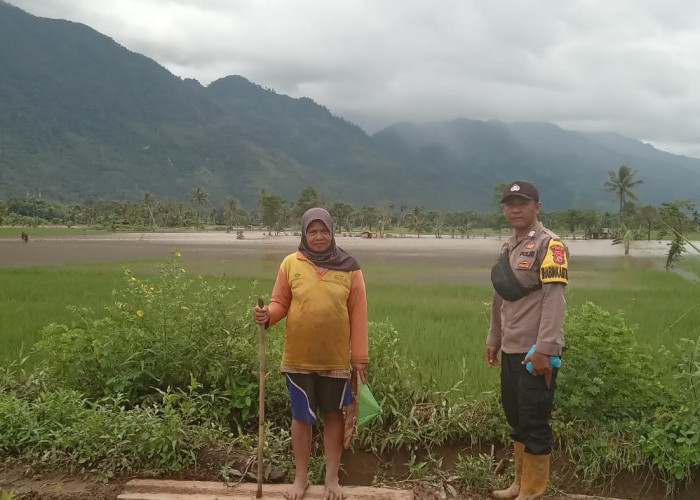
x: 554, y: 361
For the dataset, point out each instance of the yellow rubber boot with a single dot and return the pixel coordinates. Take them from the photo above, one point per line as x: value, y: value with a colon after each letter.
x: 513, y: 490
x: 535, y: 476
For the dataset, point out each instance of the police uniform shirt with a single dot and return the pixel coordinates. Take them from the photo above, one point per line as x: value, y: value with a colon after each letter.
x: 536, y: 318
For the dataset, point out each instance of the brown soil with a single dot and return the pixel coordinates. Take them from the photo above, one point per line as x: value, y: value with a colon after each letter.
x: 360, y: 469
x: 25, y: 483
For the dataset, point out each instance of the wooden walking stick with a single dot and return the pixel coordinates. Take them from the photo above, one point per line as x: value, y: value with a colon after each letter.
x: 261, y: 403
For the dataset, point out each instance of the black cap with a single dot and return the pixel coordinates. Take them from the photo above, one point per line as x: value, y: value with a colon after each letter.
x: 523, y: 189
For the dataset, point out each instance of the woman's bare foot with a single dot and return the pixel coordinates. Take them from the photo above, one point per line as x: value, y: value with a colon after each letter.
x: 333, y: 491
x: 296, y: 492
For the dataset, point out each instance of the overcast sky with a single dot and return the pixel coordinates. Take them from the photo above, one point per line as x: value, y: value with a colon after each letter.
x: 626, y: 66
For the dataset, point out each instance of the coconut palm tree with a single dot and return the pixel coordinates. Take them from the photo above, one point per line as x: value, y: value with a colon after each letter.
x: 621, y: 183
x: 199, y: 196
x: 232, y: 211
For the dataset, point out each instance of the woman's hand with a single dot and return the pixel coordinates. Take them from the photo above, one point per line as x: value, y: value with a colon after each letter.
x: 261, y: 315
x: 361, y: 368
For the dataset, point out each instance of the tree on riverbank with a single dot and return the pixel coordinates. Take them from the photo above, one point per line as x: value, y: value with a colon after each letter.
x: 678, y: 218
x: 277, y: 214
x: 199, y: 196
x: 621, y: 184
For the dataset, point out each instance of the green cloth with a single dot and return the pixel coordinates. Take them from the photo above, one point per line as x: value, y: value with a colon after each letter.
x: 368, y: 406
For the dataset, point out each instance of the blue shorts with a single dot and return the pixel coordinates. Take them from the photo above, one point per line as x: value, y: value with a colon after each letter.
x: 309, y: 392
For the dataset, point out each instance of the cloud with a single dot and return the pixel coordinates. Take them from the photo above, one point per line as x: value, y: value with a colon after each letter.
x: 624, y: 66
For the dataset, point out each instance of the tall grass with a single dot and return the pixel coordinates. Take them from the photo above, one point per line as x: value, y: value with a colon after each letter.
x: 442, y: 325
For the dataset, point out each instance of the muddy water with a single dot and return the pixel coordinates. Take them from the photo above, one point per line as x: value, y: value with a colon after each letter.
x: 115, y: 247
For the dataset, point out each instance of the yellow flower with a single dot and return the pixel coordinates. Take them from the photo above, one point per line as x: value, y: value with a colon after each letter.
x: 177, y: 254
x: 183, y: 270
x: 184, y: 308
x: 133, y: 279
x: 139, y: 313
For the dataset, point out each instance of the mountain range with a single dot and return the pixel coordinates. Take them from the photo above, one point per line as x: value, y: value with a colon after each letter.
x: 83, y: 117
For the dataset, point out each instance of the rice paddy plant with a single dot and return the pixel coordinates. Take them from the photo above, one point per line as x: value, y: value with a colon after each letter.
x: 661, y: 307
x: 442, y: 326
x: 442, y: 329
x: 427, y: 367
x: 33, y: 297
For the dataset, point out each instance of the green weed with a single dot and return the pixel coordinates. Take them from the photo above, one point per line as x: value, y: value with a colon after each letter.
x: 607, y: 375
x: 179, y: 353
x: 102, y: 436
x: 474, y: 474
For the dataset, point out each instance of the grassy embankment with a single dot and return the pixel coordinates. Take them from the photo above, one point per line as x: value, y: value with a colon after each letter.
x: 442, y: 326
x: 603, y: 421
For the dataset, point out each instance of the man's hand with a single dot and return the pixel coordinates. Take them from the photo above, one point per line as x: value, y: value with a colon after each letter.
x: 492, y: 356
x: 261, y: 315
x: 540, y: 366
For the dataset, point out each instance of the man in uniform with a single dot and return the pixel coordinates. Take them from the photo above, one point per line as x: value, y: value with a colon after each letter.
x: 528, y: 311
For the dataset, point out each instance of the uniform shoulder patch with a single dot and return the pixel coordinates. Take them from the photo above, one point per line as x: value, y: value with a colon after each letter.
x: 555, y: 266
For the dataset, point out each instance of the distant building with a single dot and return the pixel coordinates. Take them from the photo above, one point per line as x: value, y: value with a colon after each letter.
x: 602, y: 233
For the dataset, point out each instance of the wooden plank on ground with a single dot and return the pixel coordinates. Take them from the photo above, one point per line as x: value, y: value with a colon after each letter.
x: 154, y: 489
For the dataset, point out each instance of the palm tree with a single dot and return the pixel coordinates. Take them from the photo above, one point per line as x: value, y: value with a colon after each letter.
x: 621, y: 183
x: 199, y: 196
x: 231, y: 213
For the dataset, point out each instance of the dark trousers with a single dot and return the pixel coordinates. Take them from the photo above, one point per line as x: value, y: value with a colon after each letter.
x: 527, y: 403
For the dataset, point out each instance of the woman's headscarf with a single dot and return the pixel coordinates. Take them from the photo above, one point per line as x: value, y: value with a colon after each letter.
x: 334, y: 257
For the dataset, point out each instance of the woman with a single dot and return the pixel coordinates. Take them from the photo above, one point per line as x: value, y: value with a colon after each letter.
x: 321, y: 291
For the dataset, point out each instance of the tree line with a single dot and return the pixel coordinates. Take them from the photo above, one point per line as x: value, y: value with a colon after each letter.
x: 275, y: 214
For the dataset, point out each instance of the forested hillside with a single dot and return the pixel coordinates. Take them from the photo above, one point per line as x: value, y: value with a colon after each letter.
x: 82, y: 117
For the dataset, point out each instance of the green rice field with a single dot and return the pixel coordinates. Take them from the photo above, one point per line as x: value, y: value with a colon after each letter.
x: 442, y: 323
